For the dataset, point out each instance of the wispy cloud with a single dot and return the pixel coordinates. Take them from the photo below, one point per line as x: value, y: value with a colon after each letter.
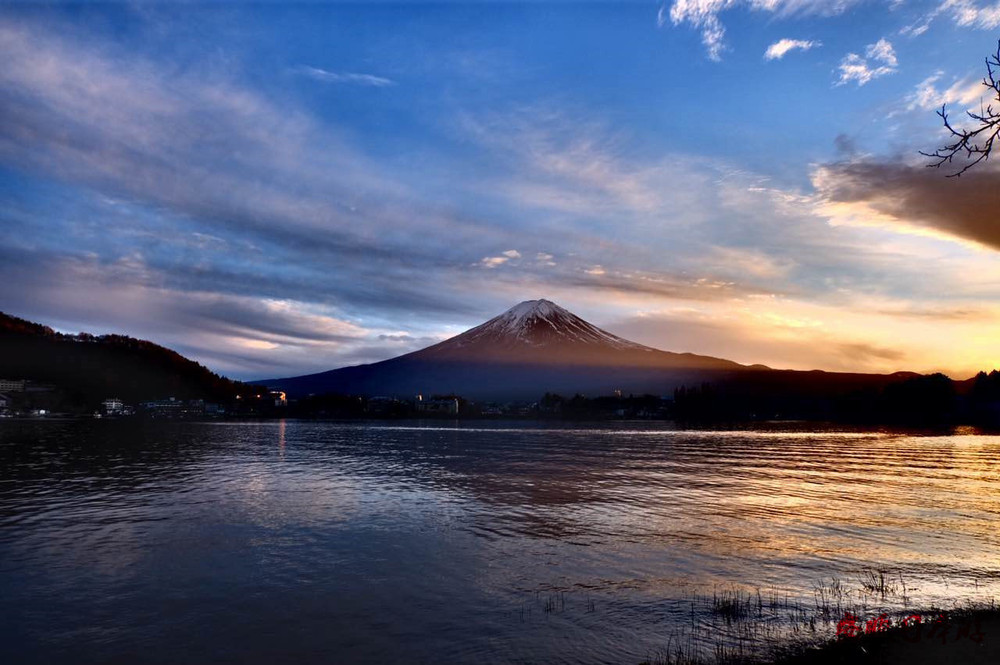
x: 965, y: 13
x: 928, y: 95
x: 703, y: 15
x: 780, y: 48
x: 344, y: 77
x: 973, y: 14
x: 879, y: 60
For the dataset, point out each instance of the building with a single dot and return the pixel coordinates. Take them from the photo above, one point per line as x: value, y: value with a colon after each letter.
x: 113, y: 406
x: 174, y: 408
x: 279, y: 397
x: 214, y: 410
x: 12, y: 385
x: 446, y: 406
x: 5, y: 403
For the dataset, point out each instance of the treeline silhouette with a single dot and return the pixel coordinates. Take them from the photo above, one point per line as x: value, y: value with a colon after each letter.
x: 85, y: 369
x: 920, y: 400
x: 904, y: 399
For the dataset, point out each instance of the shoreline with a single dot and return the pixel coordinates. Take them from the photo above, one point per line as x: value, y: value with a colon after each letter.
x: 969, y: 636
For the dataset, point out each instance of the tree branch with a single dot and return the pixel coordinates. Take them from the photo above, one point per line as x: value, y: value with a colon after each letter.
x: 974, y: 144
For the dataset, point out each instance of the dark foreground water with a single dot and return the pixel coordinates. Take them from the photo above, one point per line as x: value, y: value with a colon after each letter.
x: 300, y: 542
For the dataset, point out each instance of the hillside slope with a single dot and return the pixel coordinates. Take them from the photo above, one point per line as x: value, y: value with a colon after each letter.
x: 88, y: 368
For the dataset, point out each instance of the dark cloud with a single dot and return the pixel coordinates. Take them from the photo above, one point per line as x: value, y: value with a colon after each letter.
x: 965, y: 207
x: 864, y: 354
x: 845, y: 145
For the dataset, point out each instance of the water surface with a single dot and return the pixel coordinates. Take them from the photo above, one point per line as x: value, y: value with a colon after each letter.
x: 375, y: 543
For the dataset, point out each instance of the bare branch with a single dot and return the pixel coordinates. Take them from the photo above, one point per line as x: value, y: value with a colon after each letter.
x: 976, y: 144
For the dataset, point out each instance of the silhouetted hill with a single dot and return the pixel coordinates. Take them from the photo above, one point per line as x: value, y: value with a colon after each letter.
x: 88, y: 368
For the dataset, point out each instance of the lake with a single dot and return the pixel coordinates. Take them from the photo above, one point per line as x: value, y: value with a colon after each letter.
x: 290, y: 541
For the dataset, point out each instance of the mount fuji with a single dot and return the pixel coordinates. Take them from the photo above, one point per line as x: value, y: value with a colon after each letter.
x: 532, y: 348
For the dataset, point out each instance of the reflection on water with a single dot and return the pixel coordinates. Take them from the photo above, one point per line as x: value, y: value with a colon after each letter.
x: 246, y: 542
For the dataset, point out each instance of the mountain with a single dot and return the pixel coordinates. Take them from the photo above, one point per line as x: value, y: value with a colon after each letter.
x: 86, y: 368
x: 540, y: 332
x: 534, y: 347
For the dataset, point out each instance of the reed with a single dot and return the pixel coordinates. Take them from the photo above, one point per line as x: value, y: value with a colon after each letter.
x: 878, y: 581
x: 740, y: 626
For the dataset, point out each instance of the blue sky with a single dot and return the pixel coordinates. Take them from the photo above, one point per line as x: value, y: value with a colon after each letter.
x: 276, y: 189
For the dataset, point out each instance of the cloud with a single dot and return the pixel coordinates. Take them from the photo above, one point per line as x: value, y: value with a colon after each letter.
x: 344, y: 77
x: 845, y: 145
x: 880, y: 59
x: 914, y: 197
x: 235, y: 334
x: 559, y: 163
x: 967, y: 13
x: 232, y: 190
x: 703, y: 15
x: 496, y: 261
x: 964, y: 13
x: 869, y: 333
x: 928, y: 96
x: 681, y: 227
x: 750, y: 261
x: 776, y: 340
x: 778, y: 49
x: 493, y: 261
x: 234, y: 224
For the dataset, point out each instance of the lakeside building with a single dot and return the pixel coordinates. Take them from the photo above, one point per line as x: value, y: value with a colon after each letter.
x: 113, y: 406
x: 447, y: 406
x: 12, y: 385
x: 279, y: 397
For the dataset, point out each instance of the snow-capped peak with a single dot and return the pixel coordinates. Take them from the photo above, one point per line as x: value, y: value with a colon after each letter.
x: 540, y: 323
x: 522, y: 313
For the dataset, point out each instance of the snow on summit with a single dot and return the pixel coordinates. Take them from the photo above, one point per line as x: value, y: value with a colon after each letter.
x: 540, y: 323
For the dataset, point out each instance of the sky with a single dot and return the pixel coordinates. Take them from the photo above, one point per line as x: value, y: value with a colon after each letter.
x: 276, y: 189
